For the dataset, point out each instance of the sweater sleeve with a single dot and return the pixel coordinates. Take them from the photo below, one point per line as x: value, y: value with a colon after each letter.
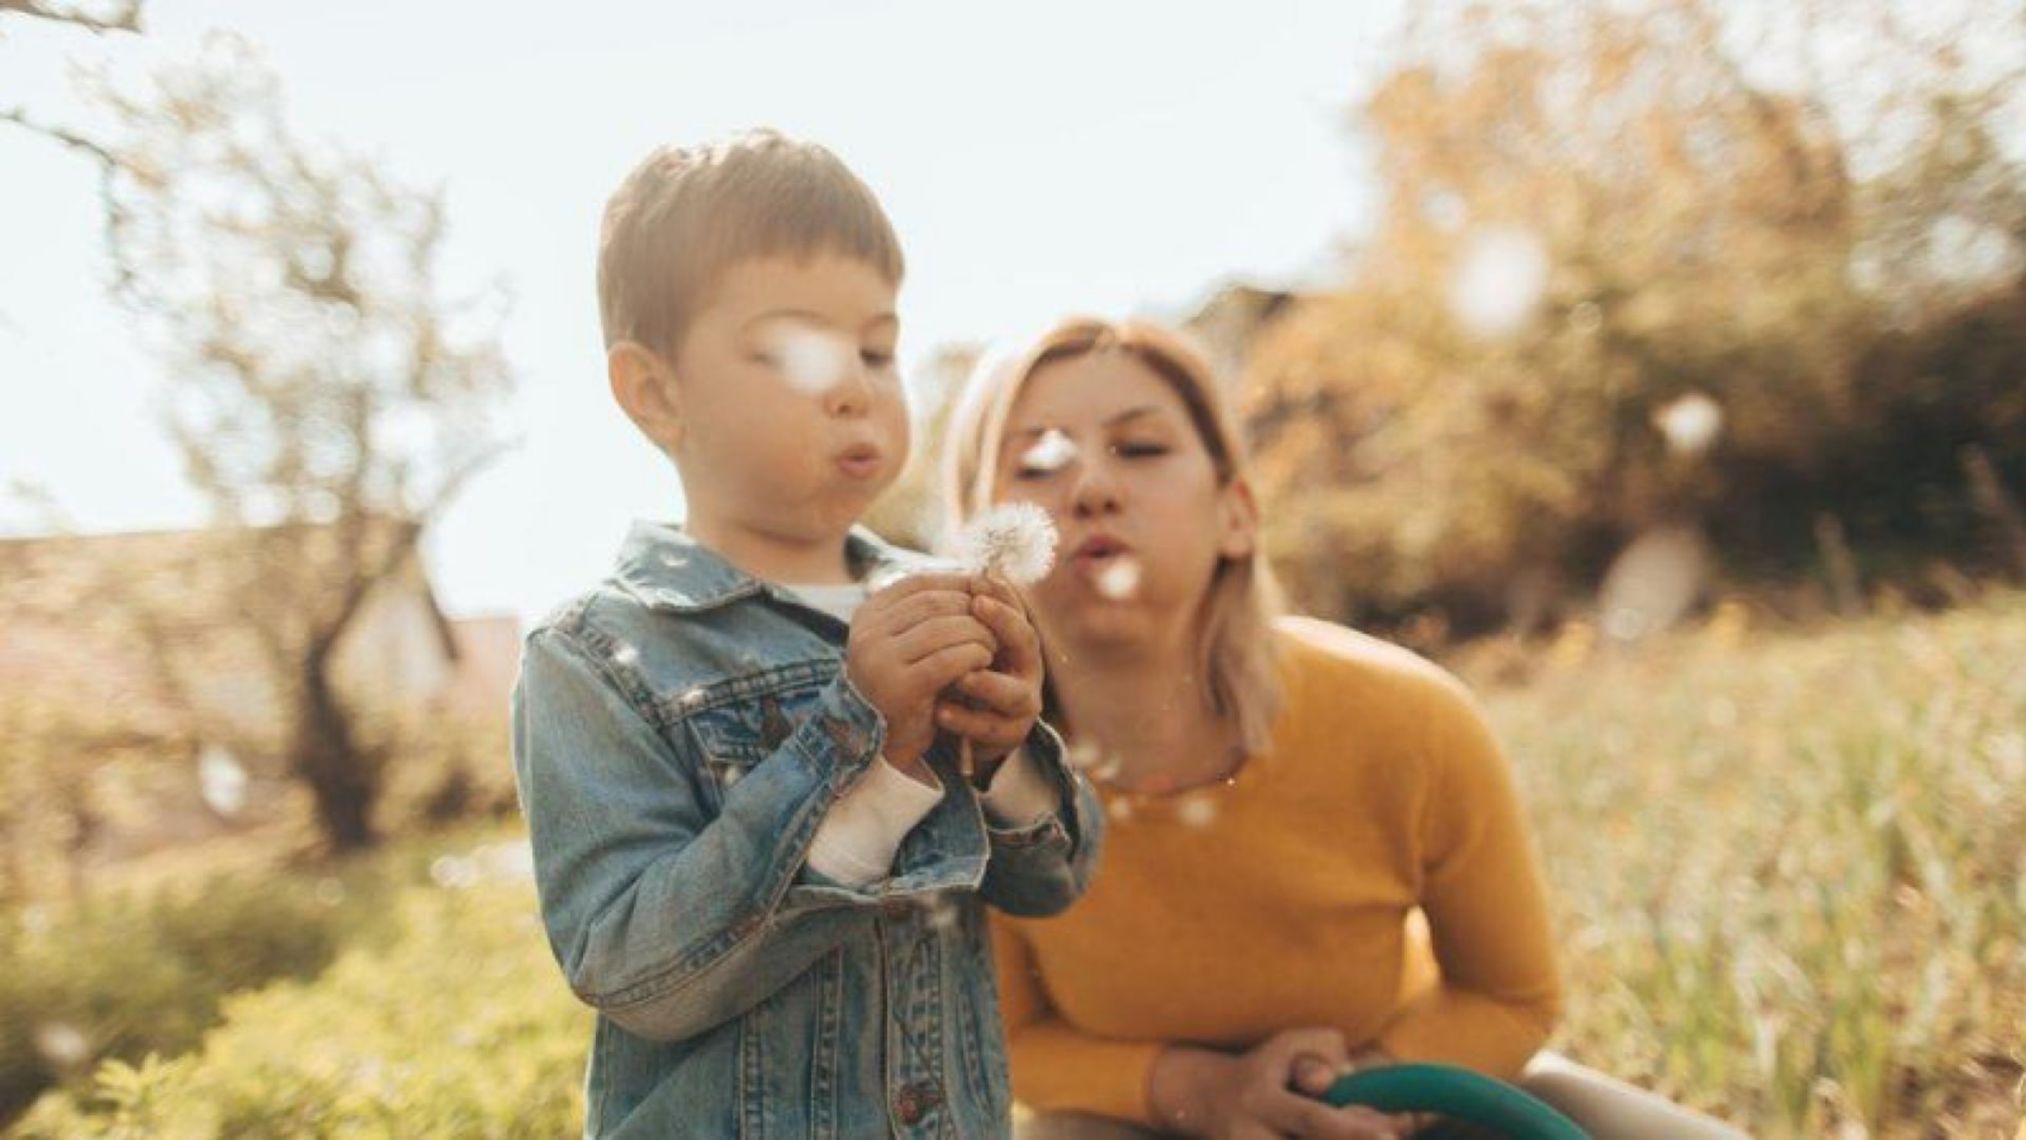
x: 1056, y: 1067
x: 1499, y: 993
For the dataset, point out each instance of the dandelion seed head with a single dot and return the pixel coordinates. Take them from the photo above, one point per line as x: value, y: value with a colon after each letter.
x: 1013, y: 540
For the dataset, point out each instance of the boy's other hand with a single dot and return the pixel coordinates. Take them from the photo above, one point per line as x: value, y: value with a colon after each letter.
x: 908, y: 642
x: 997, y: 707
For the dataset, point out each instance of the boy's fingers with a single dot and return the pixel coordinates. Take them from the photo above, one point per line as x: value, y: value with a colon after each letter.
x: 1001, y: 694
x: 934, y: 634
x: 934, y: 672
x: 904, y: 612
x: 1016, y: 635
x: 980, y: 725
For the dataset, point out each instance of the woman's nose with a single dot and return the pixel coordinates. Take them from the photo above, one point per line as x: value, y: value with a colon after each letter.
x: 1093, y: 488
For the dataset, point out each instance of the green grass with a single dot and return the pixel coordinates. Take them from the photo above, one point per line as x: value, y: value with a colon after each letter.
x: 1790, y: 872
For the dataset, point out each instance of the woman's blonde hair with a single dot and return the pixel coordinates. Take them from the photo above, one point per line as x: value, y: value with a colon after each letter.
x: 1235, y: 655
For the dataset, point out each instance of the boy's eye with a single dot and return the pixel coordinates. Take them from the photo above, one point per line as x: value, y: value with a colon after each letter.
x: 874, y: 358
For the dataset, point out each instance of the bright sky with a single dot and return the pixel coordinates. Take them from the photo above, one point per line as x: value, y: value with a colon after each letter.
x: 1036, y: 158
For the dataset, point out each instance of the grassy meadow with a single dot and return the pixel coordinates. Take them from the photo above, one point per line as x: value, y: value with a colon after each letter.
x: 1789, y: 870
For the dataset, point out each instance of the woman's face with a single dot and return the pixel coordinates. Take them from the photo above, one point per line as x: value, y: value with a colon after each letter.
x: 1104, y: 445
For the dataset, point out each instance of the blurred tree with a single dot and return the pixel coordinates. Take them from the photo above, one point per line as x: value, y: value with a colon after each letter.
x: 323, y: 386
x: 1617, y: 285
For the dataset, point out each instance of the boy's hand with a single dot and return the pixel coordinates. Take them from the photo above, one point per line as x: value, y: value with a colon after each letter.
x: 908, y: 642
x: 996, y: 708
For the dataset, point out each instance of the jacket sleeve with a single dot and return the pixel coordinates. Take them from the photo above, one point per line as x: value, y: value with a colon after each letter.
x: 1039, y: 869
x: 666, y: 917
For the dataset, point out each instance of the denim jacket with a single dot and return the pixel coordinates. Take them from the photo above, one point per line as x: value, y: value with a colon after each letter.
x: 679, y: 733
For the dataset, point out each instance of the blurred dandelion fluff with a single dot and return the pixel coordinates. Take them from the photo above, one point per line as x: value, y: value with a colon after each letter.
x: 1052, y: 452
x: 221, y: 780
x: 1498, y: 281
x: 1691, y: 423
x: 1121, y: 579
x: 813, y: 362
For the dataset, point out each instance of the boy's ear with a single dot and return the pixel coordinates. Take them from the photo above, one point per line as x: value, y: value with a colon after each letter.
x: 1237, y: 520
x: 644, y: 386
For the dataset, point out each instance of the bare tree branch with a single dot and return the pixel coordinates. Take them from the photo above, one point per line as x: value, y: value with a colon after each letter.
x: 69, y: 138
x: 125, y: 18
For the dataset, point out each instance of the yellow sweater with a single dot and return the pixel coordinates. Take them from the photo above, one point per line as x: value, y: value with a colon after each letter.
x: 1221, y: 916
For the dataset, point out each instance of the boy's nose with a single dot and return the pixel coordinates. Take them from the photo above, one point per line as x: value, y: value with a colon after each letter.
x: 851, y: 392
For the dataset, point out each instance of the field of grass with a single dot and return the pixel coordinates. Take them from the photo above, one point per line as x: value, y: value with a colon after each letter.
x: 1790, y: 874
x: 1790, y: 870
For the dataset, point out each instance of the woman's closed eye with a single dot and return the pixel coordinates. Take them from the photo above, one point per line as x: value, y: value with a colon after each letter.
x: 1139, y: 449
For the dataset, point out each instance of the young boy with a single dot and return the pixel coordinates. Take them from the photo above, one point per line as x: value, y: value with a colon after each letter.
x: 756, y: 858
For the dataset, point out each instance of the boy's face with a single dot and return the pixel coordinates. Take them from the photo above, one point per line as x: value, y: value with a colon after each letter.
x: 789, y: 418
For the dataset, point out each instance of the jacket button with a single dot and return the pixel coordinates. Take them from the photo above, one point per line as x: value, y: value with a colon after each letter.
x: 907, y: 1106
x: 916, y: 1101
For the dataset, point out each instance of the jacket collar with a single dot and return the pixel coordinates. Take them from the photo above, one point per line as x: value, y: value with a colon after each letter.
x: 666, y: 568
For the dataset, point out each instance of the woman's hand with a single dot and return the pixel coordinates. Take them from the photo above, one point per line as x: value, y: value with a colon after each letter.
x: 1264, y: 1094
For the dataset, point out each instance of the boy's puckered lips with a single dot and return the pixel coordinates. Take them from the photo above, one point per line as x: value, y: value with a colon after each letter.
x: 860, y: 461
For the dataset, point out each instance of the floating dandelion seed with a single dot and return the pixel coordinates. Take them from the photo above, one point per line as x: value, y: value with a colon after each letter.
x: 813, y: 362
x: 1052, y: 452
x: 1120, y: 579
x: 626, y: 653
x: 221, y: 780
x: 1690, y: 423
x: 942, y: 913
x: 1015, y: 541
x: 507, y: 860
x: 61, y: 1045
x: 1197, y: 811
x: 1498, y: 281
x: 1121, y: 810
x: 453, y: 872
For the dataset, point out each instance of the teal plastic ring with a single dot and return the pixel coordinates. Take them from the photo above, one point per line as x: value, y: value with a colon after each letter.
x: 1457, y: 1093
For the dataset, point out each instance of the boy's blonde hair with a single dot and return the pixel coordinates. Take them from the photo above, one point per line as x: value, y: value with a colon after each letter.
x: 686, y: 214
x: 1235, y: 652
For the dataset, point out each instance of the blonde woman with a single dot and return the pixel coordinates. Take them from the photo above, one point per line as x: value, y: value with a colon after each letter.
x: 1288, y: 798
